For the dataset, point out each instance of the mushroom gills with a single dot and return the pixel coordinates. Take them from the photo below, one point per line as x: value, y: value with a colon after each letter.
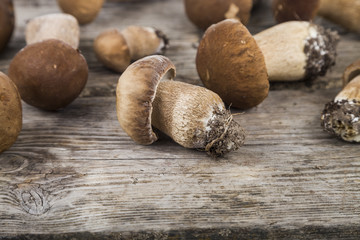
x: 341, y: 117
x: 195, y: 117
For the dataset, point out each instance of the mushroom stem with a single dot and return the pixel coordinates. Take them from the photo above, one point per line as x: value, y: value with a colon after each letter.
x: 343, y: 12
x: 195, y: 117
x: 351, y: 91
x: 297, y: 50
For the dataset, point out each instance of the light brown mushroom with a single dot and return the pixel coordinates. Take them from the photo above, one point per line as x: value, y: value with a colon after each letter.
x: 59, y: 26
x: 7, y: 22
x: 117, y: 49
x: 10, y: 112
x: 343, y: 12
x: 289, y: 10
x: 230, y: 63
x: 341, y: 117
x: 203, y: 13
x: 192, y: 116
x: 85, y: 11
x: 297, y: 50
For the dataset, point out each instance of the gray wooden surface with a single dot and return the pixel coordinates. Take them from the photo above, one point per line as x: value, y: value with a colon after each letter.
x: 74, y: 174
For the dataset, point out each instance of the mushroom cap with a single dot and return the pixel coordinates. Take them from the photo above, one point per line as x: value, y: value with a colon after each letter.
x: 49, y: 74
x: 135, y: 94
x: 144, y: 41
x: 351, y: 72
x: 85, y: 11
x: 59, y: 26
x: 230, y: 63
x: 288, y: 10
x: 10, y: 112
x: 7, y: 22
x: 203, y: 13
x: 112, y: 50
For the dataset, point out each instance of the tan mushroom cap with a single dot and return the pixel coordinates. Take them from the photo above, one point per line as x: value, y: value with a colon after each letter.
x: 203, y: 13
x: 351, y: 72
x: 135, y: 94
x: 230, y: 63
x: 112, y: 50
x: 288, y: 10
x: 85, y: 11
x: 7, y: 22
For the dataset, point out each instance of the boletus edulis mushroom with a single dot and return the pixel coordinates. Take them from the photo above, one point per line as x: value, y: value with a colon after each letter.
x: 59, y: 26
x: 289, y: 10
x: 203, y: 13
x: 85, y: 11
x: 192, y: 116
x: 297, y: 50
x: 7, y: 22
x: 230, y: 63
x: 341, y: 117
x: 10, y: 112
x: 49, y: 74
x: 117, y: 49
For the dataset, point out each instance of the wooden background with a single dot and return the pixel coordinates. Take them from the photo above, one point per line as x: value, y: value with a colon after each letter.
x: 74, y: 174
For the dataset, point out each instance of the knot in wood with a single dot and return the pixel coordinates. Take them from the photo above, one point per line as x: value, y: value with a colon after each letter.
x: 10, y: 163
x: 33, y: 200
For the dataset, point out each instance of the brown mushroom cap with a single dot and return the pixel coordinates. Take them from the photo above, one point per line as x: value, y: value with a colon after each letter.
x: 10, y: 113
x: 351, y: 72
x: 135, y: 94
x: 49, y: 74
x: 288, y: 10
x: 112, y: 50
x: 85, y: 11
x: 7, y: 22
x: 230, y: 63
x: 203, y: 13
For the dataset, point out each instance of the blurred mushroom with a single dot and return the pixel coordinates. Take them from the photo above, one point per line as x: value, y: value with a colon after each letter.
x: 192, y: 116
x: 203, y: 13
x: 341, y: 117
x: 288, y: 10
x: 230, y: 63
x: 59, y: 26
x: 7, y: 22
x: 85, y: 11
x: 343, y: 12
x: 297, y: 50
x: 116, y: 49
x: 10, y: 112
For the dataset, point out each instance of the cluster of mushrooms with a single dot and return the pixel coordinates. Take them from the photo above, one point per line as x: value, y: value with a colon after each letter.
x: 235, y: 67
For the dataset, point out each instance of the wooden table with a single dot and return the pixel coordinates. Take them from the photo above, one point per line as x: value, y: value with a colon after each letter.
x: 75, y: 174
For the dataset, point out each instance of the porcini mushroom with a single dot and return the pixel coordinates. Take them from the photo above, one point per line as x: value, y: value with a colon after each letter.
x: 203, y: 13
x: 341, y: 117
x: 59, y: 26
x: 192, y: 116
x: 288, y: 10
x: 85, y: 11
x: 49, y: 74
x: 116, y: 49
x: 297, y: 50
x: 343, y: 12
x: 7, y: 22
x: 10, y: 112
x: 230, y: 63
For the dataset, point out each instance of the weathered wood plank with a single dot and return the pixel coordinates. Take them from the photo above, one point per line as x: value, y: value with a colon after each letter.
x: 76, y: 174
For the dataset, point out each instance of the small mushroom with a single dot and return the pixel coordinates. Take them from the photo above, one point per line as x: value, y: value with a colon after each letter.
x: 116, y: 49
x: 203, y: 13
x: 297, y: 50
x: 341, y: 117
x: 289, y: 10
x: 343, y: 12
x: 10, y: 112
x: 49, y: 74
x: 59, y: 26
x: 7, y: 22
x: 230, y: 63
x: 192, y: 116
x: 85, y: 11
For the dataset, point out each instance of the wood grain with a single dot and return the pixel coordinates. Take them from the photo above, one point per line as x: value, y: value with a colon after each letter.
x: 74, y: 174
